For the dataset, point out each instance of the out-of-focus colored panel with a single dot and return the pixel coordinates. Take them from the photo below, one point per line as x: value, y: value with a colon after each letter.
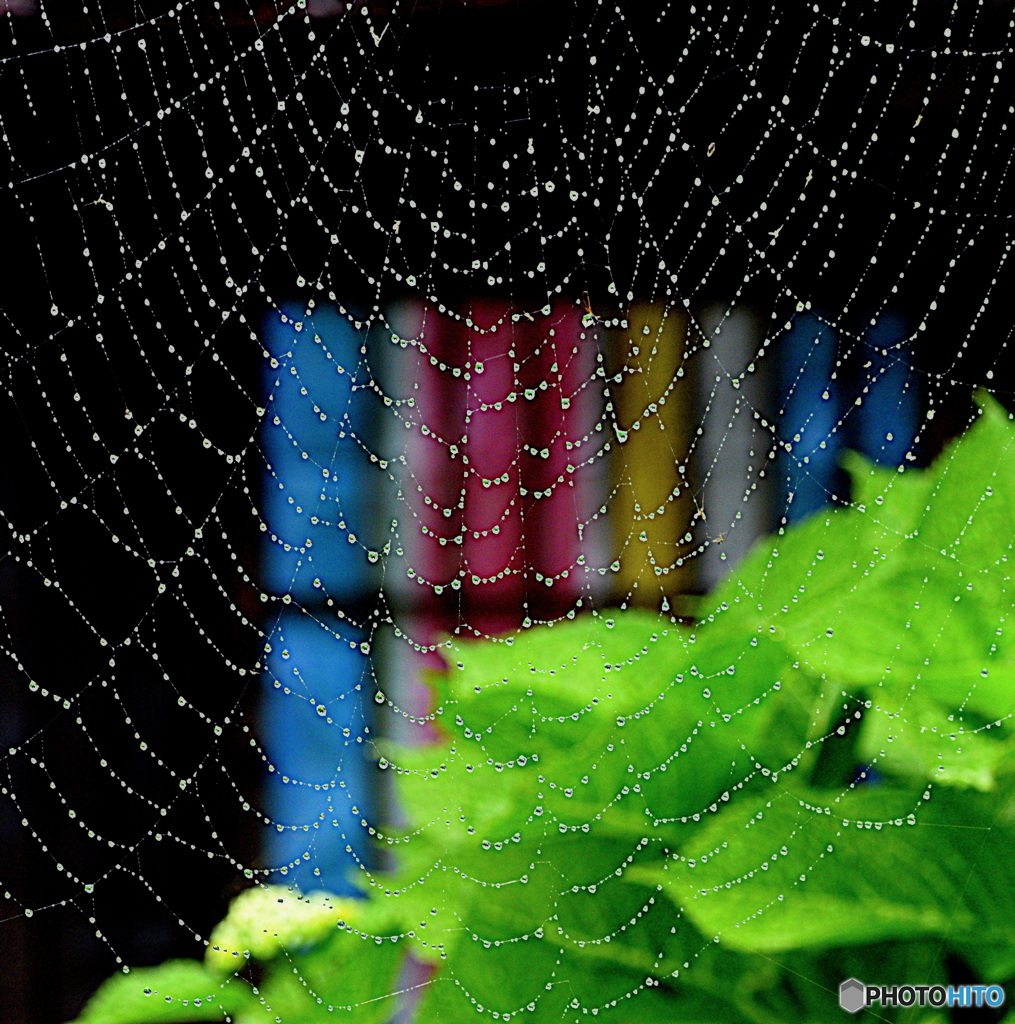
x: 560, y: 458
x: 810, y: 416
x: 499, y: 461
x: 731, y: 458
x: 653, y: 504
x: 316, y: 734
x: 321, y: 495
x: 886, y: 421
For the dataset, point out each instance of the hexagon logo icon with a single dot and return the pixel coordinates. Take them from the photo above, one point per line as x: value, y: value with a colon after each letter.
x: 851, y: 995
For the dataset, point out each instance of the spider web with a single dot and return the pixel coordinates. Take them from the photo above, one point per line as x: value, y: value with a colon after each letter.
x: 332, y: 331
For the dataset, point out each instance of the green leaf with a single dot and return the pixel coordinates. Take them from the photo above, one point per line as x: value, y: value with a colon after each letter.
x: 176, y: 991
x: 543, y: 986
x: 801, y: 869
x: 971, y: 508
x: 559, y: 690
x: 352, y: 978
x: 807, y: 988
x: 264, y: 921
x: 921, y: 738
x: 902, y: 599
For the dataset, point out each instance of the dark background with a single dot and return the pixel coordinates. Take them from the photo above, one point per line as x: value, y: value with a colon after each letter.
x: 457, y: 64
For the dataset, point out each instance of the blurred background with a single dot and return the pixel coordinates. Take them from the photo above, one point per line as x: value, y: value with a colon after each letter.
x: 333, y: 330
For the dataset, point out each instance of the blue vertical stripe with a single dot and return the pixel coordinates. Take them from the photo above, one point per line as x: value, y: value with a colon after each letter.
x: 320, y: 489
x: 810, y: 415
x: 886, y: 419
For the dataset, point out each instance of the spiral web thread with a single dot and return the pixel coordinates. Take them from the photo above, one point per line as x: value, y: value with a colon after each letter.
x: 332, y: 331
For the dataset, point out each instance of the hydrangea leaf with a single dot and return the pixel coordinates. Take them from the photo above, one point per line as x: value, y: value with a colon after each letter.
x: 174, y: 992
x: 798, y: 869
